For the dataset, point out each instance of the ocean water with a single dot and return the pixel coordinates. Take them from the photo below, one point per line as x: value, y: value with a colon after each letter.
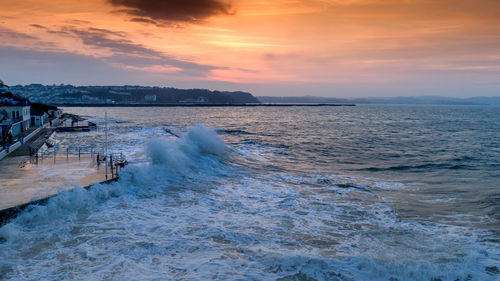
x: 294, y: 193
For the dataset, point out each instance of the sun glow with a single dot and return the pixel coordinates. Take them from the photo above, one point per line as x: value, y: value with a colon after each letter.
x: 333, y: 42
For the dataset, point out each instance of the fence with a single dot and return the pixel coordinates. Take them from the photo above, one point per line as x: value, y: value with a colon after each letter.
x: 114, y: 162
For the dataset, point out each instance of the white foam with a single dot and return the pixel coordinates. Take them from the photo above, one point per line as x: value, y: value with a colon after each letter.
x: 187, y: 213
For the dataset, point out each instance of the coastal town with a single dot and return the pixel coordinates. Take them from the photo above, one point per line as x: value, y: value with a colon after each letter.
x: 126, y: 95
x: 22, y: 121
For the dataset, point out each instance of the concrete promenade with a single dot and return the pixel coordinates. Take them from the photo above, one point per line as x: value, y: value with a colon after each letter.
x: 36, y: 142
x: 33, y: 135
x: 22, y: 182
x: 18, y: 144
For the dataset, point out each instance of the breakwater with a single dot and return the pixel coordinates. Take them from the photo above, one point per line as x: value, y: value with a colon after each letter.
x: 206, y: 105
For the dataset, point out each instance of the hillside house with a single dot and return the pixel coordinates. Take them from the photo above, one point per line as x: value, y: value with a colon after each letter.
x: 15, y: 116
x: 38, y: 117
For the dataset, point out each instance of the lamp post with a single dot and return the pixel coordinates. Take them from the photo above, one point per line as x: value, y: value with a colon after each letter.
x: 106, y: 143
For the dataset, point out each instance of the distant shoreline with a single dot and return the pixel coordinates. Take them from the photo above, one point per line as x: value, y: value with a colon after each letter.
x: 205, y: 105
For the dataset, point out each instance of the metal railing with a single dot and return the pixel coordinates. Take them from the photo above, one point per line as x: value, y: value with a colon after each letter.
x: 114, y: 162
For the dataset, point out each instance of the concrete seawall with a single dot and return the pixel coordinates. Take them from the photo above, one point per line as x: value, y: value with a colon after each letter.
x: 24, y: 183
x: 7, y: 214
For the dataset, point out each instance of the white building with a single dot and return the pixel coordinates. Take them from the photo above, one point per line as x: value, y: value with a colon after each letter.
x: 38, y: 118
x: 150, y: 98
x: 54, y: 113
x: 202, y: 100
x: 15, y: 114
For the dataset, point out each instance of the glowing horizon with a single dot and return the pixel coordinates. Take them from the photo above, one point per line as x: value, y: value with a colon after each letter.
x: 334, y: 48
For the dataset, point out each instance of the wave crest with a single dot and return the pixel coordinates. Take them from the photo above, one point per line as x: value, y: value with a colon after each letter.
x: 199, y: 151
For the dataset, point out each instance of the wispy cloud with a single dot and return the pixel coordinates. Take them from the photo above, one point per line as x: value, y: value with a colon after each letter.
x: 11, y: 35
x: 38, y: 26
x: 128, y: 54
x: 144, y: 20
x: 110, y: 47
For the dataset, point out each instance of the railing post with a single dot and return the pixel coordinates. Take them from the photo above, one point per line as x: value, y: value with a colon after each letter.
x: 79, y: 150
x: 67, y: 153
x: 111, y: 164
x: 106, y: 143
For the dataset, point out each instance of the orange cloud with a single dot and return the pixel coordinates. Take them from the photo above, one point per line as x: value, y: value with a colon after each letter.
x: 283, y: 41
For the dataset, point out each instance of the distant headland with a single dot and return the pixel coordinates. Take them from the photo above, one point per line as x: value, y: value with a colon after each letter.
x: 128, y: 95
x: 415, y: 100
x: 131, y: 96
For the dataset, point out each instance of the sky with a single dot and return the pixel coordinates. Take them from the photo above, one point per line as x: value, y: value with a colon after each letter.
x: 331, y: 48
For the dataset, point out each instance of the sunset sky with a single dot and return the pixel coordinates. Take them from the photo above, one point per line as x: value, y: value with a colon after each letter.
x: 333, y: 48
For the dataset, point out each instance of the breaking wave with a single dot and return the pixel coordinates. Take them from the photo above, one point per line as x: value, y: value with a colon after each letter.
x: 192, y: 212
x: 199, y: 151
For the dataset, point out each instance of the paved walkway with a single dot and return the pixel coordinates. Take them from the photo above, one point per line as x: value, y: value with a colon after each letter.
x: 25, y: 133
x: 36, y: 141
x: 31, y: 141
x: 22, y: 182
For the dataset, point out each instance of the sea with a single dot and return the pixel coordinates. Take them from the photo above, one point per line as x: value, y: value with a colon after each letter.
x: 370, y: 192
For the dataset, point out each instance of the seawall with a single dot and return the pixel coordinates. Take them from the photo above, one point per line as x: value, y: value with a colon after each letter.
x: 7, y: 214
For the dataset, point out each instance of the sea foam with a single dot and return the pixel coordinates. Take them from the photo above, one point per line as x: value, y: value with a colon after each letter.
x: 199, y: 150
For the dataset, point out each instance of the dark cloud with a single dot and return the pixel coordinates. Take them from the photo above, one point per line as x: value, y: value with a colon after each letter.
x: 60, y: 32
x: 11, y: 35
x: 156, y: 23
x: 113, y: 41
x: 14, y: 38
x: 126, y: 52
x: 38, y: 26
x: 121, y: 52
x: 144, y: 20
x: 106, y: 31
x: 174, y: 10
